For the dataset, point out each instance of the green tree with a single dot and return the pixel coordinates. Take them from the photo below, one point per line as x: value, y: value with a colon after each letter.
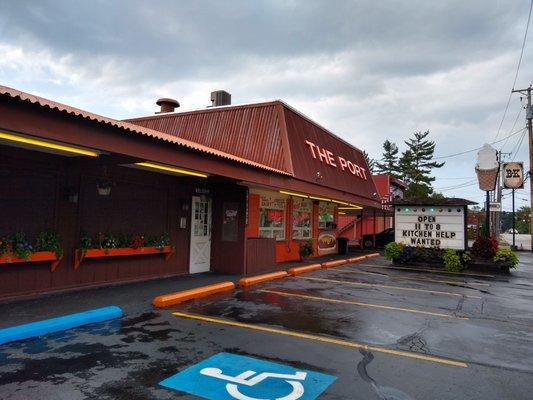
x: 416, y: 165
x: 389, y: 161
x: 523, y: 218
x: 370, y: 162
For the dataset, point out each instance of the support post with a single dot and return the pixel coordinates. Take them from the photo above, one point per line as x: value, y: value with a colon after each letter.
x: 513, y: 247
x: 374, y: 230
x: 487, y: 215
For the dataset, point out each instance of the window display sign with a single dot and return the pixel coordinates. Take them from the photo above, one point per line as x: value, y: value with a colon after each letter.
x: 272, y: 217
x: 325, y: 215
x: 430, y: 226
x: 230, y: 227
x: 327, y: 243
x: 302, y: 214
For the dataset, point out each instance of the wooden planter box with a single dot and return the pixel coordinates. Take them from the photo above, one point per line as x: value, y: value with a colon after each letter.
x: 81, y: 255
x: 38, y: 256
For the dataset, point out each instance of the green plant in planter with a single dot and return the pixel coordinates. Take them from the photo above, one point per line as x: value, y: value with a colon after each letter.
x: 86, y: 241
x: 452, y: 261
x: 20, y: 246
x: 393, y: 251
x: 466, y: 257
x: 506, y: 256
x: 159, y: 242
x: 109, y: 241
x: 49, y: 241
x: 306, y: 249
x: 5, y: 245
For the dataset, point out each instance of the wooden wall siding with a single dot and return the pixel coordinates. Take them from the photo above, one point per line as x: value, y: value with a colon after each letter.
x: 33, y: 198
x: 252, y: 230
x: 260, y: 255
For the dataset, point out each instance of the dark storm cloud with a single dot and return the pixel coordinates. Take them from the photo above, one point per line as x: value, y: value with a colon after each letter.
x: 202, y: 38
x: 368, y: 70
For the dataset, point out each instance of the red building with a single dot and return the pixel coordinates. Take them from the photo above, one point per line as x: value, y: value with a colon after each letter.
x: 368, y: 221
x: 168, y: 194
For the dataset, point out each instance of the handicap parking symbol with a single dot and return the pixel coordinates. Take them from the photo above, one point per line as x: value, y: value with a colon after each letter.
x: 227, y: 376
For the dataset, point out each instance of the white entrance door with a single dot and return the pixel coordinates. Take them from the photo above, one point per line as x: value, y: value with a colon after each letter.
x: 200, y: 235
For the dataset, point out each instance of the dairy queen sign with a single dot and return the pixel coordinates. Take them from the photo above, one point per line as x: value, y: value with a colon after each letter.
x: 425, y: 223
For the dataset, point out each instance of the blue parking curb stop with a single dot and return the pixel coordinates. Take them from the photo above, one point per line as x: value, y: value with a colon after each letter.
x: 39, y: 328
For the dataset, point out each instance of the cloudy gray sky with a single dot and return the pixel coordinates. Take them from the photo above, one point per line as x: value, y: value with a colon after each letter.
x: 367, y: 70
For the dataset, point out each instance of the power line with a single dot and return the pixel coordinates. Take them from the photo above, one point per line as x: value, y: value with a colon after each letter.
x: 477, y: 148
x: 514, y: 124
x: 517, y: 70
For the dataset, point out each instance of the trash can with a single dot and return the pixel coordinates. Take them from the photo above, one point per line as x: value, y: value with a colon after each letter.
x: 342, y: 244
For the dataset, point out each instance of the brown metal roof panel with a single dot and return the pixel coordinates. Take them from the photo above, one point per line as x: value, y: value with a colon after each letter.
x: 131, y: 128
x: 251, y: 132
x: 307, y: 168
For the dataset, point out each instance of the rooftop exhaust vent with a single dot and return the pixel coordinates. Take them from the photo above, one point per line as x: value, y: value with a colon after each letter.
x: 167, y: 105
x: 220, y: 98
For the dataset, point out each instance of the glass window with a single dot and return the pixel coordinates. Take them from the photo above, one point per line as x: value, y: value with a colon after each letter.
x: 302, y: 217
x: 325, y: 215
x: 272, y: 218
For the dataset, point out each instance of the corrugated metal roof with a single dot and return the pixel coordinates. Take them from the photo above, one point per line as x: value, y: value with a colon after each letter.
x: 271, y: 133
x: 250, y: 131
x: 134, y: 128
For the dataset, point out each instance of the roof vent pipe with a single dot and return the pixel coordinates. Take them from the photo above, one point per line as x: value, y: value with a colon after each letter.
x: 220, y: 98
x: 167, y: 105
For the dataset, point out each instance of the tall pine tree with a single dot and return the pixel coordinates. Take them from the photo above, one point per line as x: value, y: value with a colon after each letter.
x: 416, y: 165
x: 389, y: 162
x: 370, y: 162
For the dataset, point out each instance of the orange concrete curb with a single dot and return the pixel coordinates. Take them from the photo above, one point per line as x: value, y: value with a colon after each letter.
x: 254, y: 280
x: 330, y: 264
x: 169, y: 299
x: 372, y: 255
x: 356, y: 259
x: 306, y: 268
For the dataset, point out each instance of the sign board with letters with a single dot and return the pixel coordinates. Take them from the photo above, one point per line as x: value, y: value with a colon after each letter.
x: 513, y: 175
x: 227, y: 376
x: 440, y: 226
x: 495, y: 206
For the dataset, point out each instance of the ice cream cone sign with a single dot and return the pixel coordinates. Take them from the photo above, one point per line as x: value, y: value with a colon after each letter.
x: 487, y: 167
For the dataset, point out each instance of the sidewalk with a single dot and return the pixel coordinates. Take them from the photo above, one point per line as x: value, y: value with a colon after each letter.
x: 132, y: 297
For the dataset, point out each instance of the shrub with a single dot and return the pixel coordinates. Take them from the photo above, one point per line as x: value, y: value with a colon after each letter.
x: 393, y: 251
x: 466, y: 257
x: 506, y: 256
x: 306, y: 249
x: 452, y: 261
x: 485, y: 247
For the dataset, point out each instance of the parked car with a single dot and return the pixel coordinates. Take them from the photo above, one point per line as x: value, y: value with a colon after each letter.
x: 382, y: 238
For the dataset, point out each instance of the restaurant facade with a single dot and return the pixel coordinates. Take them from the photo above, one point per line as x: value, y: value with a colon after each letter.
x: 88, y: 200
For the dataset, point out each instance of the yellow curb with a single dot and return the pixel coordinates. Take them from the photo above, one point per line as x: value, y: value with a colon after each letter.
x: 169, y: 299
x: 254, y: 280
x: 306, y: 268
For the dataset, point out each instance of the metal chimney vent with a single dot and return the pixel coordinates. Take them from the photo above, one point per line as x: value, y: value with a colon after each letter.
x: 167, y: 105
x: 220, y: 98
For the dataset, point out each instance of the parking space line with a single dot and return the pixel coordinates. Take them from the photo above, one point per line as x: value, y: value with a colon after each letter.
x: 377, y: 285
x: 427, y: 270
x: 325, y: 339
x: 357, y: 303
x: 359, y: 271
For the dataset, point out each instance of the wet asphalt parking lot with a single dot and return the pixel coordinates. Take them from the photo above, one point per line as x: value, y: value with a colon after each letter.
x: 384, y: 333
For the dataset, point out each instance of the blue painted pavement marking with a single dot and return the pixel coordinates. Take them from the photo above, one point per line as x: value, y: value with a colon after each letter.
x: 226, y: 376
x: 57, y: 324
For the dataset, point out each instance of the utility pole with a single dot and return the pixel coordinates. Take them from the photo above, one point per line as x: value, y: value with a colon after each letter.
x: 529, y: 116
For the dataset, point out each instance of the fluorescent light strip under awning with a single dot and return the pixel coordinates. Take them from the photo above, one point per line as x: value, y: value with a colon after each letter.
x: 348, y: 206
x: 174, y: 170
x: 47, y: 145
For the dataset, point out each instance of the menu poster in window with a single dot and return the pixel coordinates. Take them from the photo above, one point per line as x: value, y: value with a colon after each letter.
x: 431, y: 226
x: 230, y: 223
